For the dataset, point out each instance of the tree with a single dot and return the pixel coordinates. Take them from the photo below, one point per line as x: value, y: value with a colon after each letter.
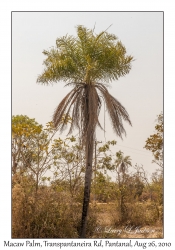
x: 31, y: 154
x: 87, y: 62
x: 155, y: 142
x: 24, y: 130
x: 122, y: 162
x: 104, y: 188
x: 121, y: 166
x: 69, y: 165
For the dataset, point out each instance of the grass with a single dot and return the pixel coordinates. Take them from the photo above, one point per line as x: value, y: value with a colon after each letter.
x: 56, y: 215
x: 142, y: 222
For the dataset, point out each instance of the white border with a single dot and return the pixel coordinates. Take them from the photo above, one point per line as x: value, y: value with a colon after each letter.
x: 5, y: 93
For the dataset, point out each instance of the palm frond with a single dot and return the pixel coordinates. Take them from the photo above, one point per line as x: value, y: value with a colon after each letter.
x: 115, y: 109
x: 83, y: 105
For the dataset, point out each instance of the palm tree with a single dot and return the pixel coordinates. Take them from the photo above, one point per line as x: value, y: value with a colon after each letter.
x: 122, y: 165
x: 122, y: 162
x: 87, y: 62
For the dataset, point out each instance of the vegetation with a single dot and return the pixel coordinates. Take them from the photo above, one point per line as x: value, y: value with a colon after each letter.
x: 47, y: 187
x: 155, y: 142
x: 87, y: 62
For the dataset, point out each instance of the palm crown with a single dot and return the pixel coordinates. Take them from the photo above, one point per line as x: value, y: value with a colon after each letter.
x: 85, y: 60
x: 88, y: 58
x: 122, y: 162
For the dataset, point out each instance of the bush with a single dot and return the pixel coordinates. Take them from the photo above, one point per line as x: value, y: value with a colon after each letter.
x: 138, y: 214
x: 47, y: 214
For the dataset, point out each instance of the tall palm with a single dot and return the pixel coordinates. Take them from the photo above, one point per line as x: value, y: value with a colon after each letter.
x: 87, y: 62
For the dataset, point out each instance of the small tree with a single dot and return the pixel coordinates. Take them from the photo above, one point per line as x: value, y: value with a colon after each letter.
x: 68, y: 165
x: 121, y: 166
x: 155, y: 142
x: 32, y: 153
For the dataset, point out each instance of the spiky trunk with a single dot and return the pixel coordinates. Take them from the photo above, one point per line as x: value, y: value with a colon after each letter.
x: 87, y: 186
x: 89, y: 143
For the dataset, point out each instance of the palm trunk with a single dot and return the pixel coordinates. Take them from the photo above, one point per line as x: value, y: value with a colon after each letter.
x: 87, y: 186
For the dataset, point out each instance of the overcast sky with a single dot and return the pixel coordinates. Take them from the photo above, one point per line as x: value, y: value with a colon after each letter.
x: 140, y: 92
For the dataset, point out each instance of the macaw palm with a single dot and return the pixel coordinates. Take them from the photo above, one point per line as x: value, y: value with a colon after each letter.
x: 122, y: 162
x: 87, y: 62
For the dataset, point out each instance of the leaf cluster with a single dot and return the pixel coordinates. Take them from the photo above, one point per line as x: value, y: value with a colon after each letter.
x: 86, y: 58
x: 154, y: 143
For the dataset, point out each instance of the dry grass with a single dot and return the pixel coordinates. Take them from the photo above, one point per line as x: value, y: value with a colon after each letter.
x: 109, y: 226
x: 53, y: 214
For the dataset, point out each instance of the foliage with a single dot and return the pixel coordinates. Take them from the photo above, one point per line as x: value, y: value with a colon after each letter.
x: 52, y: 159
x: 141, y: 214
x: 120, y: 167
x: 103, y: 189
x: 122, y: 163
x: 69, y: 166
x: 52, y: 214
x: 30, y: 147
x: 34, y: 152
x: 155, y: 142
x: 139, y: 202
x: 24, y: 130
x: 86, y: 58
x: 44, y: 218
x: 157, y: 186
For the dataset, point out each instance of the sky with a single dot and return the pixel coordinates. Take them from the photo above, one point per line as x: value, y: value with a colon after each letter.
x: 138, y: 41
x: 140, y: 91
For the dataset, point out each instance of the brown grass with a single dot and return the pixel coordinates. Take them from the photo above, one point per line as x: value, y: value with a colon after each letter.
x: 110, y: 227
